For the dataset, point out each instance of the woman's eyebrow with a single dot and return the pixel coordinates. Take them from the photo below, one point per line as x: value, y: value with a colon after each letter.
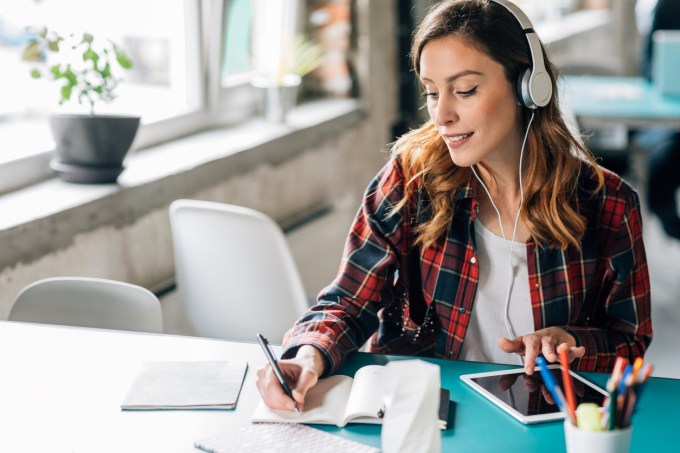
x: 455, y: 76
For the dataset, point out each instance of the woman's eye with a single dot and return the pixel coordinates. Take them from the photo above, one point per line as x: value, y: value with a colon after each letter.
x: 430, y: 94
x: 468, y: 93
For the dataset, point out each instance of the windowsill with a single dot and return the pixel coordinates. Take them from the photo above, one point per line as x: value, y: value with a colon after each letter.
x: 171, y: 170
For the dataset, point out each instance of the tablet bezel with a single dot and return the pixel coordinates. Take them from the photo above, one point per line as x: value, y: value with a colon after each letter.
x: 526, y: 419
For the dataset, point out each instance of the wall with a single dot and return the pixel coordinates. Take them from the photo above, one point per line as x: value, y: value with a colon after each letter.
x: 125, y: 234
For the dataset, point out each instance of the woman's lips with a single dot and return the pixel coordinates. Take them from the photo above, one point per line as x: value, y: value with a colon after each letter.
x: 457, y: 140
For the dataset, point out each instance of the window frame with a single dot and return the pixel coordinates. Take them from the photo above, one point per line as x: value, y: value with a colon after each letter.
x: 205, y: 22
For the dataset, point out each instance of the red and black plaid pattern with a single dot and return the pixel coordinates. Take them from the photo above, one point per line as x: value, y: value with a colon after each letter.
x: 599, y: 292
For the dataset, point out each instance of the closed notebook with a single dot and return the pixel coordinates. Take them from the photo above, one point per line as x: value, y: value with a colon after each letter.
x: 186, y: 385
x: 339, y: 400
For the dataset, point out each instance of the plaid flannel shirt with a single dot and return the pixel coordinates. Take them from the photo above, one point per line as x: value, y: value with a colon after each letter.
x: 600, y: 294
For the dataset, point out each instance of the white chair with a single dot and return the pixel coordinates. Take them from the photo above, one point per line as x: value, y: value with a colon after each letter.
x: 234, y: 271
x: 88, y: 302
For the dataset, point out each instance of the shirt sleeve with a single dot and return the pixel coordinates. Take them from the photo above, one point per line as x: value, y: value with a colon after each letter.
x: 623, y: 324
x: 346, y: 313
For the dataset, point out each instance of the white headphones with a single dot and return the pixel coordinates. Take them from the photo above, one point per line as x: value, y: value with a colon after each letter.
x: 534, y: 86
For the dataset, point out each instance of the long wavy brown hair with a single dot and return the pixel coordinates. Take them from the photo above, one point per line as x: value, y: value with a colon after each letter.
x: 555, y: 158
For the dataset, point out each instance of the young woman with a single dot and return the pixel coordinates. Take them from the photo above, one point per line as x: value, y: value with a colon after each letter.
x: 491, y: 234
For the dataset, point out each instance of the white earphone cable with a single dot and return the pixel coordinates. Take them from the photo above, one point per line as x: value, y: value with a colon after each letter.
x: 508, y: 324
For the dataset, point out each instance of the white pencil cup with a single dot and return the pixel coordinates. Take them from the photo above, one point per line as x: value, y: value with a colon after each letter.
x: 581, y: 440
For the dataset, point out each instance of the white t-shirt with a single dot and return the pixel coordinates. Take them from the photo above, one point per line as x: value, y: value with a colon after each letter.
x: 487, y: 320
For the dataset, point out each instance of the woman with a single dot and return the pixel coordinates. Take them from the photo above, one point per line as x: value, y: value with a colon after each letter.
x: 571, y: 274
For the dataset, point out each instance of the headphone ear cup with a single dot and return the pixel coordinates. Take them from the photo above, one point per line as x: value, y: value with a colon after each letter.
x: 523, y: 93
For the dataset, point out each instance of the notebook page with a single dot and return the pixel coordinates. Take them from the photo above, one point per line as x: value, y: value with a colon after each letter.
x: 280, y: 438
x: 324, y: 403
x: 366, y: 398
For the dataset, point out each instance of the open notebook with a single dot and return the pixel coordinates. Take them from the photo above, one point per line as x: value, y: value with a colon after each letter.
x: 186, y: 385
x: 339, y: 400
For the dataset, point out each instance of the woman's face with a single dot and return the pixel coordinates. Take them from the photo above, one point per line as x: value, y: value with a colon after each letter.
x: 471, y: 102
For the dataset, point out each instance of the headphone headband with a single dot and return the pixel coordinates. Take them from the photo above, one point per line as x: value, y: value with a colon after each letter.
x: 535, y: 86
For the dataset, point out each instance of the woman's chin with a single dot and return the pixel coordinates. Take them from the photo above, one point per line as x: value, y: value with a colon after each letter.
x: 460, y: 159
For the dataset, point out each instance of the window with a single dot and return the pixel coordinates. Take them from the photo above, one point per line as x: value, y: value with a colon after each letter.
x: 192, y: 63
x: 238, y: 42
x: 160, y: 83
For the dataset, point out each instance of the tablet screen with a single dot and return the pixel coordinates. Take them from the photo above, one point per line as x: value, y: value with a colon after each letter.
x: 527, y: 394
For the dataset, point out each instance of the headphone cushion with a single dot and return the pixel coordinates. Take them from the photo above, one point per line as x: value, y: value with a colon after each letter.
x: 523, y: 93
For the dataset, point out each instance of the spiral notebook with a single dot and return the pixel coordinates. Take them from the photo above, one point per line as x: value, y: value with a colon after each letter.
x: 280, y: 438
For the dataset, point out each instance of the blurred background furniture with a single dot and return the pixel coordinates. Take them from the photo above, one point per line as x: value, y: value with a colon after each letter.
x: 88, y: 302
x: 234, y: 271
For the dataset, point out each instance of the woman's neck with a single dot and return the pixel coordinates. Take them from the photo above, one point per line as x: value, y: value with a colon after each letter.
x: 503, y: 184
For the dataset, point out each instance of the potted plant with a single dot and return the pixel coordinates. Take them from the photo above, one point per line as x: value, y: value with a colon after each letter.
x: 89, y: 148
x: 281, y: 88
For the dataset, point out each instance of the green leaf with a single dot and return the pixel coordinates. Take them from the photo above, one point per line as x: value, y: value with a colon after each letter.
x: 106, y: 72
x: 70, y: 76
x: 36, y: 74
x: 43, y: 32
x: 55, y: 70
x: 122, y: 58
x: 88, y: 38
x: 90, y: 54
x: 32, y: 52
x: 66, y: 91
x: 53, y: 45
x: 307, y: 56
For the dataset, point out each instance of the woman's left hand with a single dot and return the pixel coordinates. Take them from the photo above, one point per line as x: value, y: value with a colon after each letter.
x: 543, y: 341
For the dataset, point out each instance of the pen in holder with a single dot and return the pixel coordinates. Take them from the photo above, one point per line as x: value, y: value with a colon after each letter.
x: 605, y: 429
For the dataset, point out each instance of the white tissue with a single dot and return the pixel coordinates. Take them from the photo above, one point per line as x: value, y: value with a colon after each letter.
x: 411, y: 422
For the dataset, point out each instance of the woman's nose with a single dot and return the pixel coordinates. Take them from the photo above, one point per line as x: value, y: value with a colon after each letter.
x: 445, y: 111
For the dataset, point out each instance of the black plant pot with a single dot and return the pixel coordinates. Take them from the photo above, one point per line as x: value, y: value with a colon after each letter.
x: 91, y: 148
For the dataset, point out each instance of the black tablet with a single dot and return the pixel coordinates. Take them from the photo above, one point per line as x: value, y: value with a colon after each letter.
x: 525, y: 397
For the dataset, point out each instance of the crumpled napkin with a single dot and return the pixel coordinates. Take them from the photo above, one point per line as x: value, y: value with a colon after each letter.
x: 411, y: 421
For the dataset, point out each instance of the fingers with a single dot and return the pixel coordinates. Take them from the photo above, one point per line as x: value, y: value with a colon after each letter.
x: 532, y: 344
x: 576, y: 352
x: 544, y: 341
x: 549, y: 348
x: 271, y: 391
x: 298, y: 376
x: 307, y: 379
x: 510, y: 346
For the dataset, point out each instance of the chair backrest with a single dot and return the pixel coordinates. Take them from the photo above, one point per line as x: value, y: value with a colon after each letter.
x: 234, y: 270
x: 88, y: 302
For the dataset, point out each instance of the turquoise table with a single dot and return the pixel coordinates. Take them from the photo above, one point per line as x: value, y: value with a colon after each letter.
x: 631, y: 101
x: 61, y: 388
x: 476, y: 425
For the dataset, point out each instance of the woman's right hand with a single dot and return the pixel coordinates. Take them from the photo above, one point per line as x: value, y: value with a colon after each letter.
x: 301, y: 374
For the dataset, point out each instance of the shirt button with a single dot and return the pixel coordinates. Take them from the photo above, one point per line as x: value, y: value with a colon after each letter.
x: 473, y: 260
x: 538, y: 285
x: 461, y: 310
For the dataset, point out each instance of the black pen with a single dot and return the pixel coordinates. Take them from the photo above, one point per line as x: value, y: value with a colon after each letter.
x: 275, y: 366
